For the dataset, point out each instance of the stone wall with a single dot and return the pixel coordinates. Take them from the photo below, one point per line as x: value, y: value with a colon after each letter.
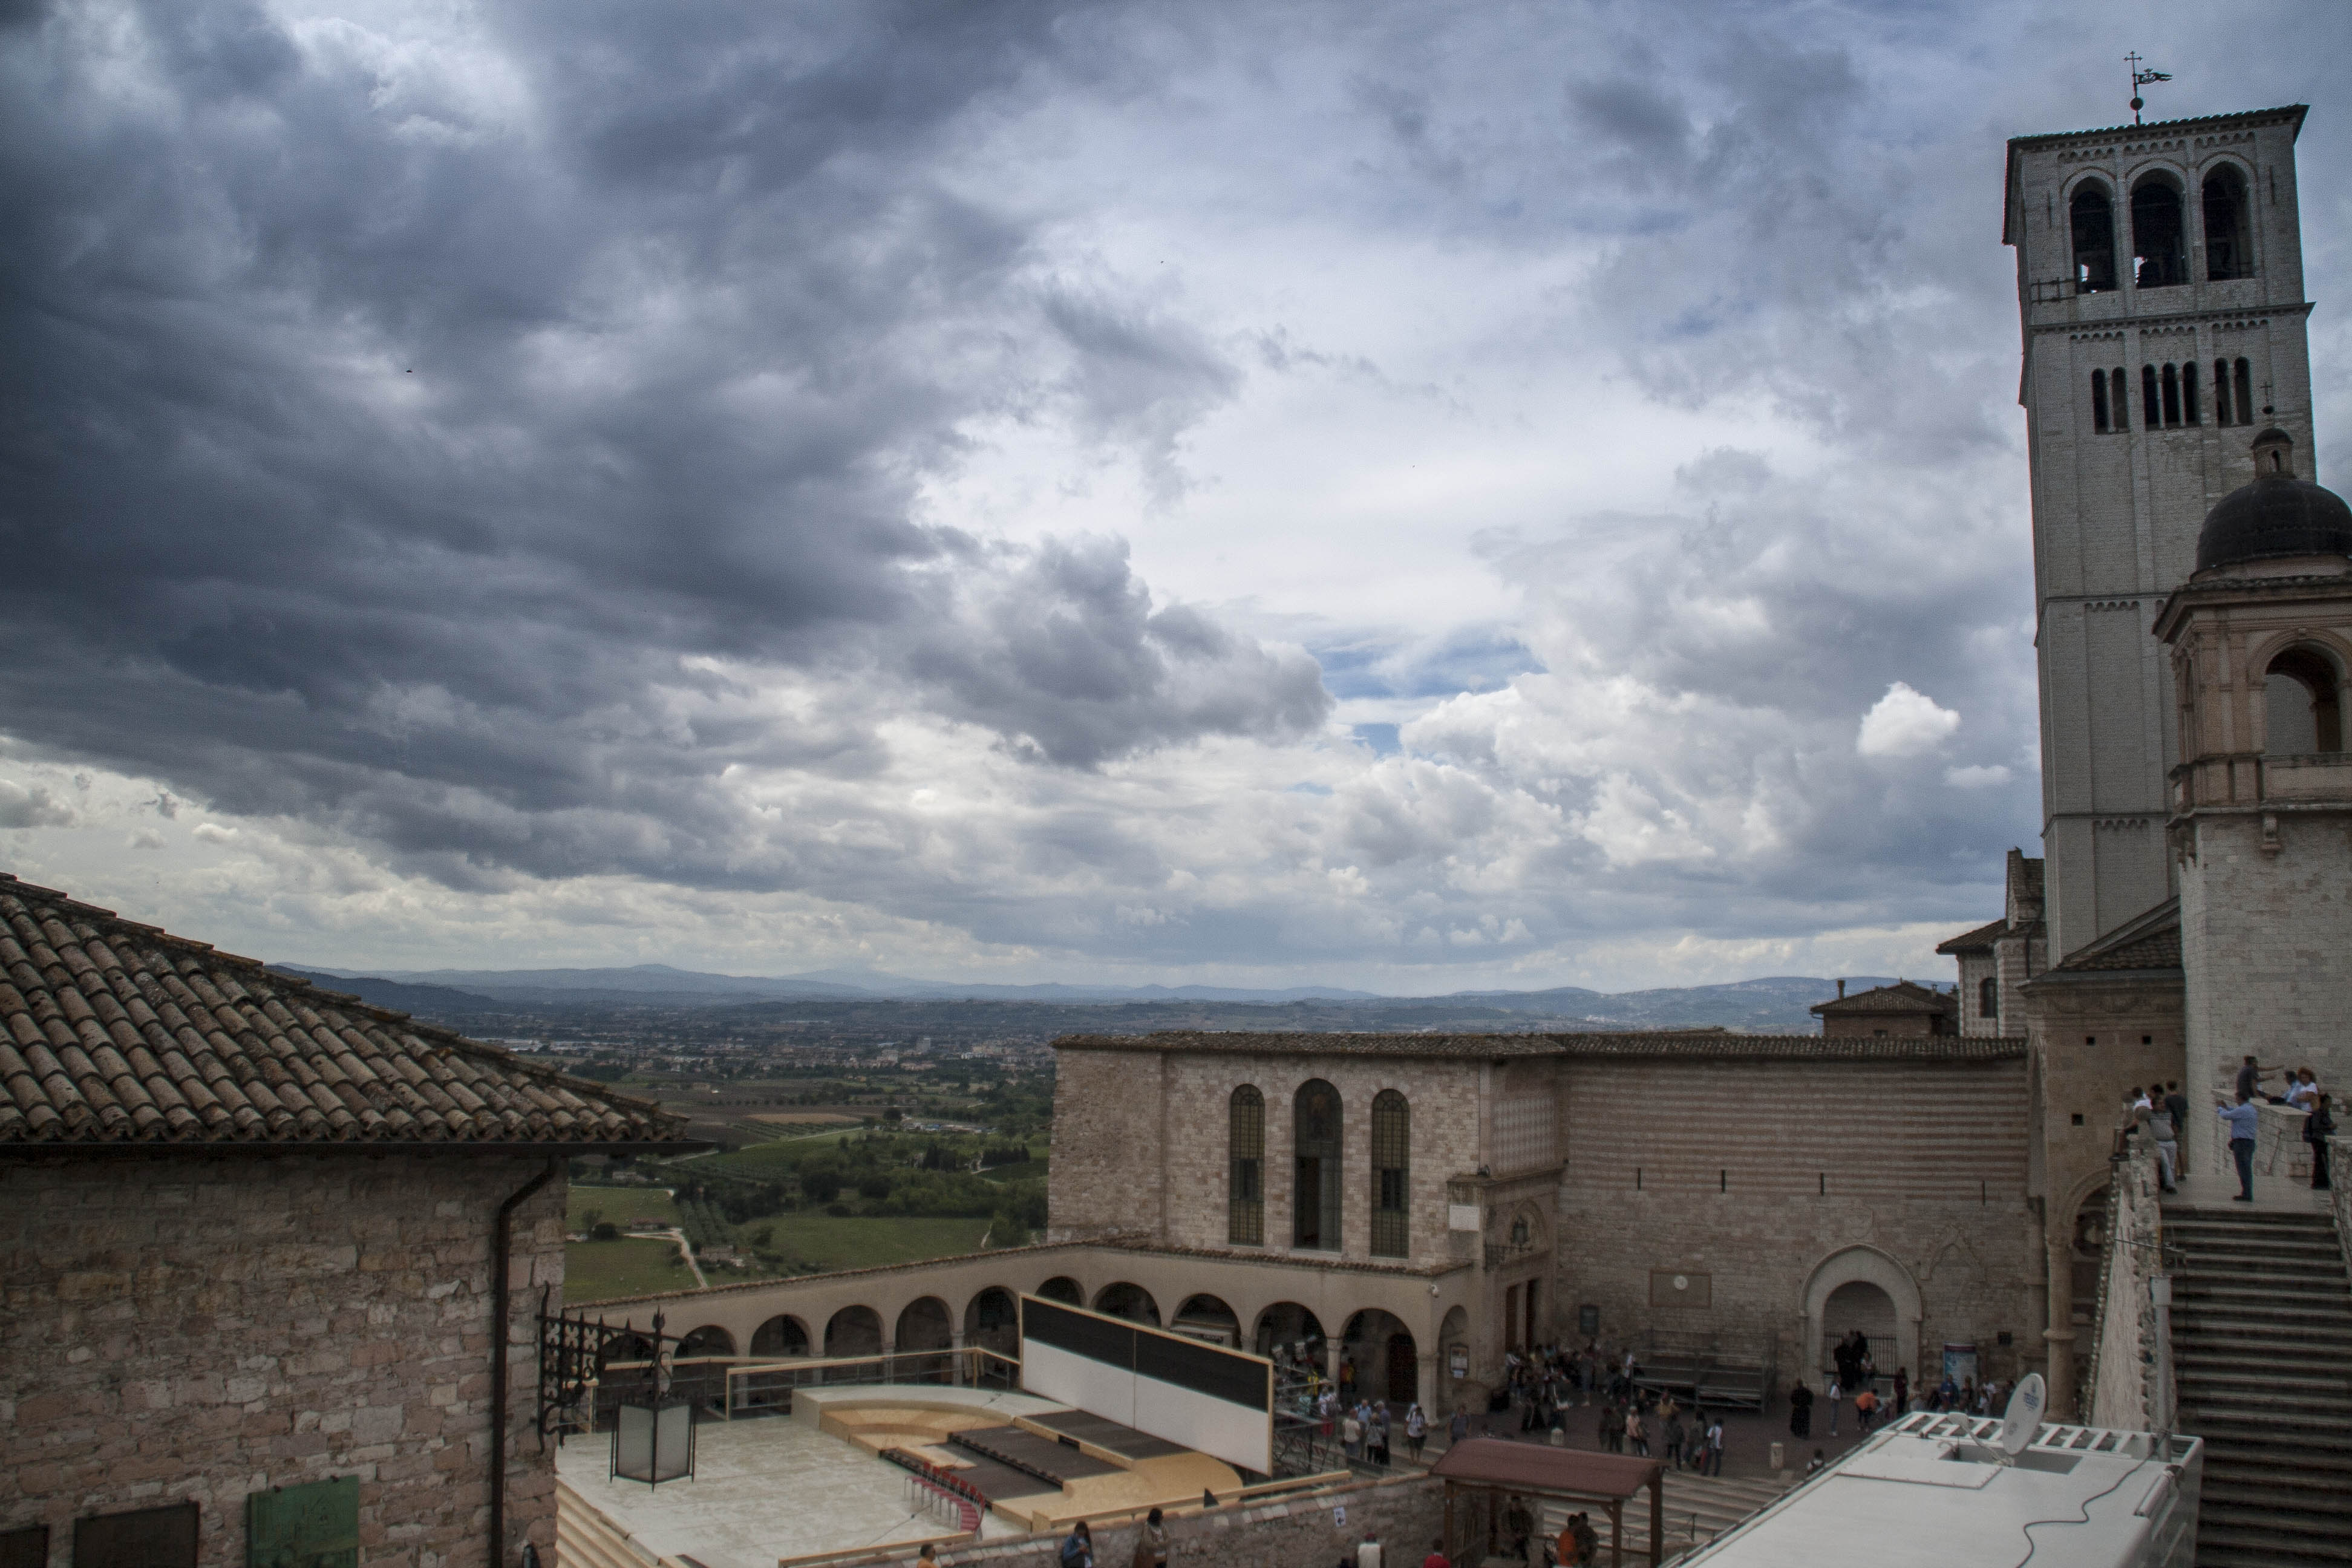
x: 182, y: 1328
x: 2264, y: 932
x: 1759, y: 1181
x: 1140, y: 1142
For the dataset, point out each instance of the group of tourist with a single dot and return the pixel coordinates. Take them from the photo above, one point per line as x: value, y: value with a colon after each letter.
x: 2158, y: 1115
x: 1543, y: 1383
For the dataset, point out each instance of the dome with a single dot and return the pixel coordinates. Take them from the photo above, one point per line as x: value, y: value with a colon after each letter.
x: 2277, y: 515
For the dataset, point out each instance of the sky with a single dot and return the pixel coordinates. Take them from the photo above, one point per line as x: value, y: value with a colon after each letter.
x: 1409, y: 497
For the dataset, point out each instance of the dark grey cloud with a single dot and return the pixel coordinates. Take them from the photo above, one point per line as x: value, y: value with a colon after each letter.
x: 390, y: 437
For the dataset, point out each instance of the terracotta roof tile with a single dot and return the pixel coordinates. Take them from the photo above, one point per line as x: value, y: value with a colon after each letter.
x: 116, y: 1033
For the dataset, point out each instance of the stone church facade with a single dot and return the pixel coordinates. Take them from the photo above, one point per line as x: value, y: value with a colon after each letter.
x: 1752, y: 1196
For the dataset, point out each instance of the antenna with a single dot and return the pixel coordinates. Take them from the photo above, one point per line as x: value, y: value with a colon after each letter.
x: 2140, y: 79
x: 2024, y: 1417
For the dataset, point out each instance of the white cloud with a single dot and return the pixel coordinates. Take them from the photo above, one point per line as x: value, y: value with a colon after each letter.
x: 1977, y: 776
x: 1905, y: 724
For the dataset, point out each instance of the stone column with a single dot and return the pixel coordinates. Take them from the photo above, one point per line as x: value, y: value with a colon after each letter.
x: 2060, y: 1252
x: 955, y: 1343
x: 889, y: 1360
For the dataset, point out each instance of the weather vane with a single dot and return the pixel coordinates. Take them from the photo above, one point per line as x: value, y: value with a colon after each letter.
x: 2140, y: 79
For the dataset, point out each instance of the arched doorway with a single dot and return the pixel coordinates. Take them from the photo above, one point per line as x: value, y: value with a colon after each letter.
x: 1125, y: 1300
x: 1858, y: 1307
x: 1864, y: 1265
x: 925, y: 1325
x: 1208, y: 1318
x: 1387, y: 1361
x: 854, y: 1331
x: 1291, y: 1327
x: 992, y: 1322
x: 709, y: 1339
x: 1063, y: 1288
x: 779, y: 1336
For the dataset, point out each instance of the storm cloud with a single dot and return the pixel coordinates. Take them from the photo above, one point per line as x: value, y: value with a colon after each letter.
x: 1361, y: 493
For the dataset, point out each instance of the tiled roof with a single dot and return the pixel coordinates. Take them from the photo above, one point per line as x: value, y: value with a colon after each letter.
x: 1975, y: 941
x: 1690, y: 1047
x: 1902, y: 996
x: 2144, y: 944
x: 2162, y: 128
x: 114, y: 1033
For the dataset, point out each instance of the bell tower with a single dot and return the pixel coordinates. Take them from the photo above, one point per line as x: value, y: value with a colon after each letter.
x: 2159, y: 283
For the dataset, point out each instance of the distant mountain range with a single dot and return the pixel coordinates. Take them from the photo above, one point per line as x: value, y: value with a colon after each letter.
x: 1776, y: 1003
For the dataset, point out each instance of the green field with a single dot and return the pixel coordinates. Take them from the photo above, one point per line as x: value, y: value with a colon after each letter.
x: 599, y: 1270
x: 826, y: 1242
x: 620, y: 1206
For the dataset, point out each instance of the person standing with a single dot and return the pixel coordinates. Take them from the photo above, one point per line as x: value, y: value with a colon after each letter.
x: 1459, y: 1427
x: 2243, y: 1120
x: 1151, y: 1541
x: 1714, y: 1466
x: 1368, y: 1555
x: 1417, y: 1431
x: 1865, y: 1405
x: 2318, y: 1127
x: 1675, y: 1436
x: 1436, y: 1558
x: 1800, y: 1411
x: 1078, y: 1551
x: 1902, y: 1392
x: 1613, y: 1428
x: 2168, y: 1146
x: 1351, y: 1435
x: 1637, y: 1431
x: 1835, y: 1394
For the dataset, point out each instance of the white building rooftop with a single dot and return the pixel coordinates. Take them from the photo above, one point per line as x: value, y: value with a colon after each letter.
x: 2082, y: 1497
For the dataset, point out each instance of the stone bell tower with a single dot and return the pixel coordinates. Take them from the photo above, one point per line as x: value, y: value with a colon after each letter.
x: 2159, y: 279
x: 2260, y: 826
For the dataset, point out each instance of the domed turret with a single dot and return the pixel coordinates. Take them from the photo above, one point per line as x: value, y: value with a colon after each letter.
x: 2277, y: 515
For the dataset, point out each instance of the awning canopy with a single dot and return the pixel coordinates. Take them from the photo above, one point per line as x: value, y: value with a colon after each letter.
x: 1539, y: 1467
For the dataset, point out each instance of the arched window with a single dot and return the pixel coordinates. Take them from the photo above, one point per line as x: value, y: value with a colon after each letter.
x: 2119, y: 394
x: 2300, y: 694
x: 2221, y: 393
x: 2189, y: 410
x: 2094, y: 217
x: 2228, y: 231
x: 2171, y: 396
x: 2099, y: 402
x: 2151, y: 404
x: 1989, y: 998
x: 1245, y: 1168
x: 1315, y: 1194
x: 1391, y: 1174
x: 2160, y: 254
x: 2245, y: 392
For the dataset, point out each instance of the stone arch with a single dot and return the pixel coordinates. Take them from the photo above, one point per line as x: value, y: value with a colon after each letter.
x: 2225, y: 203
x: 1288, y: 1325
x: 992, y: 1320
x: 1386, y: 1356
x: 1208, y: 1318
x: 1124, y: 1299
x: 1063, y: 1288
x: 2091, y: 222
x: 706, y: 1340
x: 853, y: 1331
x: 781, y: 1336
x: 2160, y: 228
x: 1861, y: 1264
x: 925, y: 1325
x: 2302, y: 687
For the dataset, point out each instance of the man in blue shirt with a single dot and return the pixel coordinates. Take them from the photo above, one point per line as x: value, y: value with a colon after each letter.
x: 2241, y: 1119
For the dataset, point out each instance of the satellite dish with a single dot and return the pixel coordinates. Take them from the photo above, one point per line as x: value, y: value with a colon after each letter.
x: 2024, y: 1417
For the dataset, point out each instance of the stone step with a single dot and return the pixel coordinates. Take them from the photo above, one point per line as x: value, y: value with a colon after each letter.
x: 2202, y: 1320
x: 2228, y: 1539
x: 2329, y: 1368
x: 2295, y: 1409
x: 2312, y: 1503
x: 2261, y: 1286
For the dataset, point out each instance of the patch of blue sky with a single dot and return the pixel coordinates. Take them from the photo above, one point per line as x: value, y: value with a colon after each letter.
x: 1380, y: 738
x: 1467, y: 660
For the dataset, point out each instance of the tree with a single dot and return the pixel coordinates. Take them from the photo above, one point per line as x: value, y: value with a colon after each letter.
x: 604, y: 1231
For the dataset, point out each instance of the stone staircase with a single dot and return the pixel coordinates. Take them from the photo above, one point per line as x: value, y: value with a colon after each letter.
x: 2262, y: 1346
x: 1697, y: 1508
